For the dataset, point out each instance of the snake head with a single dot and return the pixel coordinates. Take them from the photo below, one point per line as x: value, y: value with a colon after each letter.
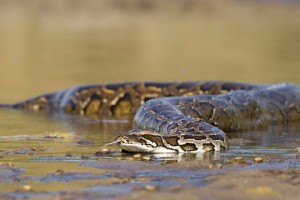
x: 142, y: 141
x: 154, y: 142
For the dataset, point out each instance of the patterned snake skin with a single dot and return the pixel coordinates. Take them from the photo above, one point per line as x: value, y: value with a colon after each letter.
x: 189, y: 116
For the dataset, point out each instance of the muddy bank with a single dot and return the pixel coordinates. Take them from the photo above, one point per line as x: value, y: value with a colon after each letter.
x: 144, y: 180
x: 250, y: 184
x: 131, y: 176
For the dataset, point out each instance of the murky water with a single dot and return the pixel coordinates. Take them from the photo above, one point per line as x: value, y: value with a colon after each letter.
x: 50, y: 46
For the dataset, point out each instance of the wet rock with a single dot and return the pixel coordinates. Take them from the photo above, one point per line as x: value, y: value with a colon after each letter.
x: 104, y: 149
x: 26, y: 188
x: 60, y: 172
x: 258, y: 159
x: 146, y: 158
x: 129, y: 158
x: 68, y: 155
x: 137, y: 156
x: 238, y: 159
x: 220, y: 166
x: 150, y: 187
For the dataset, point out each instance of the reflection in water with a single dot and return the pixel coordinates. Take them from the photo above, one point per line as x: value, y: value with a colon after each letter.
x: 204, y: 159
x: 274, y: 136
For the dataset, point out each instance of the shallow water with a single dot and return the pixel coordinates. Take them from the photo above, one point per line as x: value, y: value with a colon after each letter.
x: 48, y: 46
x: 57, y: 154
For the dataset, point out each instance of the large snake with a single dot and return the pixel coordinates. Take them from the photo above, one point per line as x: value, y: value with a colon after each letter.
x: 189, y: 116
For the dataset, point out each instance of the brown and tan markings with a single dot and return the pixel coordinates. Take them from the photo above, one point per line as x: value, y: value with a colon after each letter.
x: 178, y: 117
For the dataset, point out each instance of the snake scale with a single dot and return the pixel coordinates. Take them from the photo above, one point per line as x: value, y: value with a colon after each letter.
x: 178, y: 116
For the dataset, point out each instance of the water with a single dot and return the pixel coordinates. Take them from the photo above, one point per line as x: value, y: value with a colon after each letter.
x: 47, y: 46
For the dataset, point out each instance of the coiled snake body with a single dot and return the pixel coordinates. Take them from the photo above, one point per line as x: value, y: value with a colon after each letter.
x: 188, y: 116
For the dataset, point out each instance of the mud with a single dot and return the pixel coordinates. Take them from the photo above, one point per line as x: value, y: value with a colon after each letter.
x: 250, y: 184
x: 128, y: 176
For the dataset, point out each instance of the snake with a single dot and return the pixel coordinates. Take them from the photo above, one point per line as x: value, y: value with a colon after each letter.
x: 177, y: 117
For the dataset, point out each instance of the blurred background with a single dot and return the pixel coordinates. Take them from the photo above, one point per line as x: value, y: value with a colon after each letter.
x: 54, y: 44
